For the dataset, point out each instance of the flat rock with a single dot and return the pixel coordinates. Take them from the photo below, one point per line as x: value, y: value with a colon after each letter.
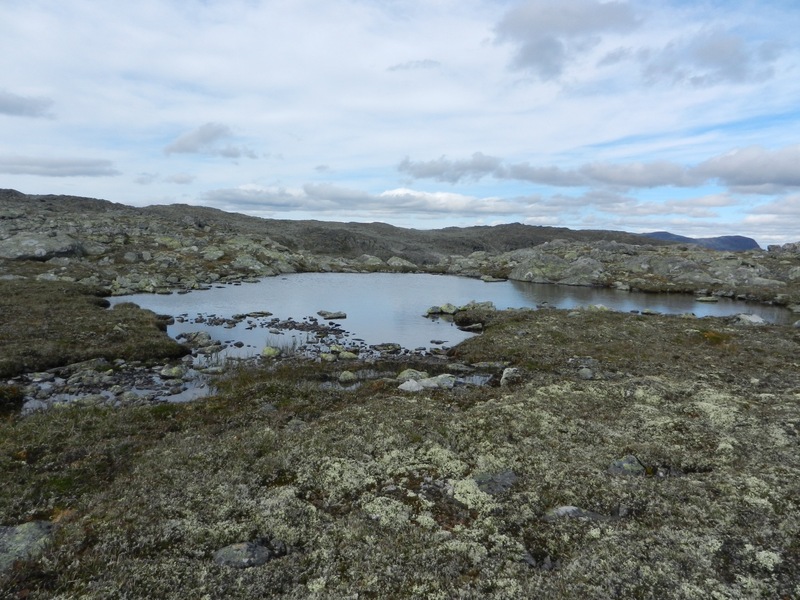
x: 331, y: 315
x: 243, y: 555
x: 572, y: 512
x: 627, y: 465
x: 22, y: 542
x: 412, y: 385
x: 745, y: 319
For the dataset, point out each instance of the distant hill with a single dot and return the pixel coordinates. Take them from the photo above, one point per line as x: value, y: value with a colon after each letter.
x: 731, y: 243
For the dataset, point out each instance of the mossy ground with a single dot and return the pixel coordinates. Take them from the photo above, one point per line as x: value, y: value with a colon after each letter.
x: 377, y: 493
x: 46, y: 324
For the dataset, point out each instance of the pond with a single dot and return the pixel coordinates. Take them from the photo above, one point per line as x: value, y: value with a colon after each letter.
x: 388, y: 307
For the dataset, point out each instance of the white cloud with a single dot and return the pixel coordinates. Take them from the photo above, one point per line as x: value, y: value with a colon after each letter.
x: 205, y: 140
x: 756, y: 166
x: 548, y: 34
x: 415, y: 64
x: 56, y: 167
x: 709, y: 58
x: 180, y: 178
x: 744, y: 169
x: 452, y: 171
x: 24, y: 106
x: 573, y: 134
x: 330, y: 199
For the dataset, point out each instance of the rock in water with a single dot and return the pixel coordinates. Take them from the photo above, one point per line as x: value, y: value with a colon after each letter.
x: 330, y: 315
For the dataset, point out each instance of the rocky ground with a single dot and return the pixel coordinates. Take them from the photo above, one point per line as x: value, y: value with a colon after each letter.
x: 157, y: 249
x: 600, y: 455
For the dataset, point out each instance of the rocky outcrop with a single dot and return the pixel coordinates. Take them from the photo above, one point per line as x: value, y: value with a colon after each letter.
x: 758, y: 274
x: 156, y: 249
x: 39, y: 246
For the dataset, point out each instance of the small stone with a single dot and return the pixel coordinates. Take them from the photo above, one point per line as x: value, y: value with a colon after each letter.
x: 409, y: 374
x: 331, y: 315
x: 243, y: 555
x: 585, y: 373
x: 347, y: 377
x: 271, y: 352
x: 745, y: 319
x: 628, y: 465
x: 449, y: 309
x: 445, y: 381
x: 176, y: 372
x: 346, y: 355
x: 22, y: 541
x: 496, y: 484
x: 411, y: 386
x: 572, y: 512
x: 510, y: 376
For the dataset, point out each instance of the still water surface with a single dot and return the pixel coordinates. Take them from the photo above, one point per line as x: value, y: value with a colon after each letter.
x: 388, y: 307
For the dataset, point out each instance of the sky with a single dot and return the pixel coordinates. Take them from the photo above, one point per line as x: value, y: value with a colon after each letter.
x: 637, y: 115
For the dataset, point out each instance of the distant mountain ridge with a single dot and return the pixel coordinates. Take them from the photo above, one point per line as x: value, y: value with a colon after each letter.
x: 731, y: 243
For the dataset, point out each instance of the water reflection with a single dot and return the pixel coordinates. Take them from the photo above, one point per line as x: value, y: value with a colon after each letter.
x: 388, y: 307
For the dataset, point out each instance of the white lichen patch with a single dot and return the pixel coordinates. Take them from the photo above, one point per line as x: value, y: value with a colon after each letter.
x: 388, y: 512
x: 337, y: 478
x: 719, y: 408
x: 768, y: 559
x: 467, y: 492
x: 445, y: 461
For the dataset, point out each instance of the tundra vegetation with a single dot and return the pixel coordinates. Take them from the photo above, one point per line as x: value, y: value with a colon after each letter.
x: 632, y: 456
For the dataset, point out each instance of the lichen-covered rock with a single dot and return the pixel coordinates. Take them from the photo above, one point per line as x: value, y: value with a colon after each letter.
x: 23, y: 541
x: 747, y: 319
x: 245, y: 555
x: 347, y: 377
x: 39, y: 246
x: 411, y: 385
x: 511, y: 376
x: 400, y: 263
x: 496, y: 484
x: 572, y: 512
x: 627, y: 465
x: 408, y: 374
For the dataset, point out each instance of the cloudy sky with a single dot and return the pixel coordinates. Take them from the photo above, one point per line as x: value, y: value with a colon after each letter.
x: 639, y: 115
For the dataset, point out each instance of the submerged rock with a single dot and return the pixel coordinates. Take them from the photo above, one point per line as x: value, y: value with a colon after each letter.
x: 331, y: 315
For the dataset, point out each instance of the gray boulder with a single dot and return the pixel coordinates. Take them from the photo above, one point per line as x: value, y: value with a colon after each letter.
x: 23, y: 541
x: 510, y: 376
x: 39, y: 246
x: 400, y: 263
x: 245, y: 555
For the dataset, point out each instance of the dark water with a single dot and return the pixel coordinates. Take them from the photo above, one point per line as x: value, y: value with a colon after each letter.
x: 388, y: 307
